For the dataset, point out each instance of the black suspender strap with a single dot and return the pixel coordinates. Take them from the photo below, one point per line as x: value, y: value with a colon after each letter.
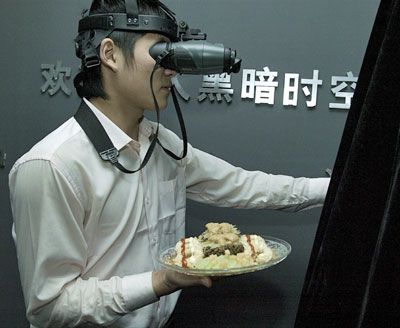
x: 100, y: 140
x: 104, y: 146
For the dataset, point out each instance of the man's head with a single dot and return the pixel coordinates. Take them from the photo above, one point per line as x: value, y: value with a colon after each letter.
x: 92, y: 82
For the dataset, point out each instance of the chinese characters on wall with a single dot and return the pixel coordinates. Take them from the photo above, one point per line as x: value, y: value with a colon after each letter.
x: 259, y: 85
x: 55, y: 76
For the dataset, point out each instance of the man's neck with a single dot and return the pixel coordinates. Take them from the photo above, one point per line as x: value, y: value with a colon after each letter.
x: 127, y: 119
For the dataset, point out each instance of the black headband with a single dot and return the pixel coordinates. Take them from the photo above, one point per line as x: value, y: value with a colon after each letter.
x: 144, y: 23
x: 133, y: 21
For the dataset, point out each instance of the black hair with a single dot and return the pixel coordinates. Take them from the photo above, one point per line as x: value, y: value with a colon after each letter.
x: 90, y: 79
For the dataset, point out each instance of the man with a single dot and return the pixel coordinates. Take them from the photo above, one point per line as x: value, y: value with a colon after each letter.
x: 87, y: 234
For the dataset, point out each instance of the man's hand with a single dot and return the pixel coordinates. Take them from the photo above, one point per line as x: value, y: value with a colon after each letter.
x: 167, y: 281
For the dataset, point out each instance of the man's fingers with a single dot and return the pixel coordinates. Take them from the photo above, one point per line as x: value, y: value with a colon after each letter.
x: 195, y: 280
x: 206, y: 282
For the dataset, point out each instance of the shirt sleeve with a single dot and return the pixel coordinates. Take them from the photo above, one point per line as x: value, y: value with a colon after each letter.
x: 213, y: 181
x: 52, y: 253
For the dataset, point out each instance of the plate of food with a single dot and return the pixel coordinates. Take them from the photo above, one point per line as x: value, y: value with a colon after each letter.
x: 221, y: 250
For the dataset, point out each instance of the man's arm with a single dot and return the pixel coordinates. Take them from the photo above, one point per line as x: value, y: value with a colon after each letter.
x: 52, y: 254
x: 213, y: 181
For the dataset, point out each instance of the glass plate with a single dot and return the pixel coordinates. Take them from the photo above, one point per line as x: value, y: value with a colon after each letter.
x: 280, y: 249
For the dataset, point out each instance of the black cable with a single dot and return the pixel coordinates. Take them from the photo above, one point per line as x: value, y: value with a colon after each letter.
x: 100, y: 140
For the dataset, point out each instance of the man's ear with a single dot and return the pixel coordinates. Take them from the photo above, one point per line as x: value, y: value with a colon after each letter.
x: 109, y: 54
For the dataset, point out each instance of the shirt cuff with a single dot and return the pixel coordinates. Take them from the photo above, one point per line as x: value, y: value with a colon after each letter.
x: 318, y: 189
x: 137, y: 291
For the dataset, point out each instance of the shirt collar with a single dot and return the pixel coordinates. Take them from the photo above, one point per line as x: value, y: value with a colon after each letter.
x: 145, y: 128
x: 118, y: 137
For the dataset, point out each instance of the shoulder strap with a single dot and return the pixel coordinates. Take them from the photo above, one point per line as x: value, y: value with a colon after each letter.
x: 100, y: 140
x: 104, y: 146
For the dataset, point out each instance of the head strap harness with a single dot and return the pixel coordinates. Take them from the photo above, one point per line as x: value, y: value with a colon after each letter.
x: 94, y: 28
x: 133, y: 21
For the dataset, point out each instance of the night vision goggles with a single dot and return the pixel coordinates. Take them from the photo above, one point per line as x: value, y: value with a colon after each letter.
x: 187, y: 53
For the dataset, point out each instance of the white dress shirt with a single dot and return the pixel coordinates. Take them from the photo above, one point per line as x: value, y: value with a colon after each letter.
x: 87, y: 234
